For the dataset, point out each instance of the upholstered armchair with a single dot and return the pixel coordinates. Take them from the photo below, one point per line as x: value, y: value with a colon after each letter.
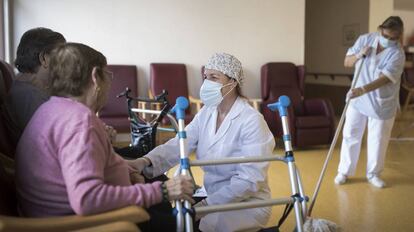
x: 311, y: 120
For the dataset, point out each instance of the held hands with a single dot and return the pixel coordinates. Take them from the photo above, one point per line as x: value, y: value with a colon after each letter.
x: 180, y: 188
x: 136, y: 178
x: 364, y: 52
x: 139, y: 164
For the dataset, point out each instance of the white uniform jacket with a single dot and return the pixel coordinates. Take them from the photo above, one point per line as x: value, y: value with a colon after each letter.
x: 383, y: 102
x: 243, y: 132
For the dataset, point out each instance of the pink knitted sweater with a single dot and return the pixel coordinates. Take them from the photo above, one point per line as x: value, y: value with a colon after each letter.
x: 65, y: 164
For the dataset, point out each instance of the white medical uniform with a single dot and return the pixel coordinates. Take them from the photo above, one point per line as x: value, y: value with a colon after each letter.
x: 243, y: 132
x: 376, y: 108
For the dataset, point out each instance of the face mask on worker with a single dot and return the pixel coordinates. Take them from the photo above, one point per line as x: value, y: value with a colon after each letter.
x: 385, y: 43
x: 210, y: 92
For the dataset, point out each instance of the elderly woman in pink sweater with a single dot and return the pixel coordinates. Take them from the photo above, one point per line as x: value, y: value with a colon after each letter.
x: 65, y: 161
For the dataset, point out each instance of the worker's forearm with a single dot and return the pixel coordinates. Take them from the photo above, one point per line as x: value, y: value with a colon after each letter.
x: 381, y: 81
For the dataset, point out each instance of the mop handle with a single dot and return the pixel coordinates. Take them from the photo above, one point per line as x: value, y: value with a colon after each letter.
x: 335, y: 139
x: 183, y: 210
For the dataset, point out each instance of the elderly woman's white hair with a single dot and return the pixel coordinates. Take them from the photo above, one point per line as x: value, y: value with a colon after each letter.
x: 227, y: 64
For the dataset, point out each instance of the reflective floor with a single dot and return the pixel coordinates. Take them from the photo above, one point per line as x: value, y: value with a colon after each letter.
x: 356, y: 205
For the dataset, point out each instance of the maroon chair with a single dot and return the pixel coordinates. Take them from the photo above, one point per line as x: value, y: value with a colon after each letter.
x: 173, y: 78
x: 115, y: 112
x: 311, y: 121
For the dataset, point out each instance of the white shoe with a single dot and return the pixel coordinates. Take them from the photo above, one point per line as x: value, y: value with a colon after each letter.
x: 340, y: 179
x: 377, y: 182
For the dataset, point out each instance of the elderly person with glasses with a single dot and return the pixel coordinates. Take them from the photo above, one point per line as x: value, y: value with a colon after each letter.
x: 65, y: 161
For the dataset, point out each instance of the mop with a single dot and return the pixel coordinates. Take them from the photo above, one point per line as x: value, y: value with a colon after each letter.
x: 322, y: 225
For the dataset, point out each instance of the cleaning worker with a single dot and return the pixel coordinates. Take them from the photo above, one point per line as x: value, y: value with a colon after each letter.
x: 374, y: 100
x: 227, y: 126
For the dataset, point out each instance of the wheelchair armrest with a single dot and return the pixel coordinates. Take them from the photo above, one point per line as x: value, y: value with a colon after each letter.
x: 132, y: 214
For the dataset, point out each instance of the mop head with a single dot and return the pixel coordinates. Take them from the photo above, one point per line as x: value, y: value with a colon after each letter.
x: 320, y: 225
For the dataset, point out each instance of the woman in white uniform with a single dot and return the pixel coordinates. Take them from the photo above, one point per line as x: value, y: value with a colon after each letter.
x: 374, y: 101
x: 227, y: 126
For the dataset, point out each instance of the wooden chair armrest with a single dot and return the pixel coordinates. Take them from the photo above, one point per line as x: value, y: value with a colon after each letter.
x: 115, y: 226
x: 132, y: 214
x: 407, y: 87
x: 142, y: 105
x: 255, y: 102
x: 197, y: 102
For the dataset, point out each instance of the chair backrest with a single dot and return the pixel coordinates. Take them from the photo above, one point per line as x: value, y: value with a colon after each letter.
x: 283, y: 78
x: 6, y: 78
x: 171, y: 77
x: 8, y: 74
x: 8, y: 201
x: 124, y: 76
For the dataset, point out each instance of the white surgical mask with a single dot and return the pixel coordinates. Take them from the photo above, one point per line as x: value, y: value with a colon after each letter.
x: 210, y: 93
x: 385, y: 43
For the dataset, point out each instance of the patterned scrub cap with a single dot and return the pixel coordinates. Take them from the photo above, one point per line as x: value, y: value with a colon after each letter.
x: 227, y: 64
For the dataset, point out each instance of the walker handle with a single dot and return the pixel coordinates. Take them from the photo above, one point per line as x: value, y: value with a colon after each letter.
x: 181, y: 104
x: 280, y: 105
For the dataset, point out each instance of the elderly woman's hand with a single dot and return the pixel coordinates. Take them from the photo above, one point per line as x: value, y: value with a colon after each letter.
x: 139, y: 164
x: 180, y: 188
x: 111, y: 132
x: 136, y: 178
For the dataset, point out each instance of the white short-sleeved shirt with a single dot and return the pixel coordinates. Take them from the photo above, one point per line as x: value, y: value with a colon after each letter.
x: 382, y: 103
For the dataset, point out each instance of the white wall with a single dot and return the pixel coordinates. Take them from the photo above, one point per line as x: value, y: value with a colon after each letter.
x: 407, y: 17
x: 184, y: 31
x: 379, y: 10
x: 324, y: 44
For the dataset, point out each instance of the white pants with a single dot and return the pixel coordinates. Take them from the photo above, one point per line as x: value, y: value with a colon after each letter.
x: 379, y: 133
